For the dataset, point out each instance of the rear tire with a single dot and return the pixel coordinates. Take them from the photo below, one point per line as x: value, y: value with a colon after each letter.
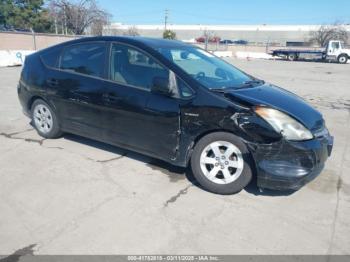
x: 292, y: 57
x: 45, y: 120
x: 342, y: 59
x: 221, y: 163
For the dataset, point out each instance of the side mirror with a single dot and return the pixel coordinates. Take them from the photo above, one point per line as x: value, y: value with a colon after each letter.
x: 160, y: 85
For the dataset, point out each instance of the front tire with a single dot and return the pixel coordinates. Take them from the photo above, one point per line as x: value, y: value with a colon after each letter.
x: 342, y: 59
x: 45, y: 120
x: 221, y: 163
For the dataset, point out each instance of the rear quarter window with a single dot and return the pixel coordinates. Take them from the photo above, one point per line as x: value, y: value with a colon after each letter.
x: 50, y: 57
x: 87, y: 59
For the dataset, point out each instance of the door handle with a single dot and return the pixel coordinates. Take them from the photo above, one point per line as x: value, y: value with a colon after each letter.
x: 52, y: 82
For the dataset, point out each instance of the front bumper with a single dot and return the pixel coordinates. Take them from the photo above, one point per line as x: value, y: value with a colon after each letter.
x: 287, y: 165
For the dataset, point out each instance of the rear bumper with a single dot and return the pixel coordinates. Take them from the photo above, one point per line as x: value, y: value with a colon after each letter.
x: 287, y: 165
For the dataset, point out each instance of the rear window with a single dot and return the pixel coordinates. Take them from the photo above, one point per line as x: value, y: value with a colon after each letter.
x: 88, y: 59
x: 50, y: 57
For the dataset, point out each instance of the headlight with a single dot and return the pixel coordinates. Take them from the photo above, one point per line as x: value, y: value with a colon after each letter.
x: 290, y: 128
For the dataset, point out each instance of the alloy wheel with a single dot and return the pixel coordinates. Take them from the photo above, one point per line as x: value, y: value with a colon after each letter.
x: 221, y: 162
x: 43, y: 118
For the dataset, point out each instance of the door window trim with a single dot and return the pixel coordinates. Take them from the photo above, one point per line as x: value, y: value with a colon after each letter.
x: 106, y: 72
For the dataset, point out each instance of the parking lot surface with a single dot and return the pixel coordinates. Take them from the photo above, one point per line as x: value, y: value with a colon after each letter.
x: 75, y: 196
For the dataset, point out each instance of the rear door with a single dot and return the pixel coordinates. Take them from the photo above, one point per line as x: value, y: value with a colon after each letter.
x: 133, y: 115
x: 77, y: 87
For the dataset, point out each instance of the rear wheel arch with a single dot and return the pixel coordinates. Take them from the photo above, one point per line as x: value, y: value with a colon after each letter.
x: 36, y: 97
x: 32, y: 100
x: 44, y: 118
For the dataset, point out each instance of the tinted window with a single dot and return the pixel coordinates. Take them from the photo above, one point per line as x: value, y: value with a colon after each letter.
x: 206, y: 68
x: 140, y: 59
x: 132, y: 67
x: 86, y: 58
x: 50, y: 57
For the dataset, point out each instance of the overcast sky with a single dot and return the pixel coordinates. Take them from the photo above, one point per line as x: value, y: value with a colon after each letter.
x: 229, y: 11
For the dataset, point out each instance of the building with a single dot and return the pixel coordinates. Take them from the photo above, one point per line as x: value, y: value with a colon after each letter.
x: 256, y: 34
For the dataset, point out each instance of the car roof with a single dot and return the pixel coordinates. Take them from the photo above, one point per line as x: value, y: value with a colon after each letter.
x: 135, y: 40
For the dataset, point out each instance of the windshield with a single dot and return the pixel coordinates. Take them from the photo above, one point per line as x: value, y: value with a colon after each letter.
x: 210, y: 71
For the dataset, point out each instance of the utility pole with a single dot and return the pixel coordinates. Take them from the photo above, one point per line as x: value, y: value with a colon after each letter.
x: 65, y: 20
x: 34, y: 40
x: 166, y: 16
x: 56, y: 29
x: 206, y: 39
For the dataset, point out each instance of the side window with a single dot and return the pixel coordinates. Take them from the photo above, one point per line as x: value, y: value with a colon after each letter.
x: 50, y: 57
x: 335, y: 45
x: 88, y: 59
x: 140, y: 59
x: 184, y: 90
x: 132, y: 67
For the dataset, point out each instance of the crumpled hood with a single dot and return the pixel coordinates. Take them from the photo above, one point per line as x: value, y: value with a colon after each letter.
x: 278, y: 98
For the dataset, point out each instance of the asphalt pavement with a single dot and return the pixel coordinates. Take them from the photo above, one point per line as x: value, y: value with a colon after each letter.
x: 73, y: 195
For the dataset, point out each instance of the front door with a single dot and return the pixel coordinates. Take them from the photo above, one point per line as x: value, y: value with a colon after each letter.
x: 134, y: 116
x: 333, y: 48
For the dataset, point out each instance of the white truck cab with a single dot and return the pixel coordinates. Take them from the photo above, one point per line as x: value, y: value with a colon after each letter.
x: 335, y: 51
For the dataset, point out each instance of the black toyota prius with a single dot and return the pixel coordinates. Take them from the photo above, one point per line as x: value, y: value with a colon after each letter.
x: 178, y: 103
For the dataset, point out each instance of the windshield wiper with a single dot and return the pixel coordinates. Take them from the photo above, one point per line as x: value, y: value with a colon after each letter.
x: 219, y: 90
x: 251, y: 83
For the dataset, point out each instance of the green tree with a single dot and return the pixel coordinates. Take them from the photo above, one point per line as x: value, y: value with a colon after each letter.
x: 168, y: 34
x: 25, y: 14
x: 6, y: 10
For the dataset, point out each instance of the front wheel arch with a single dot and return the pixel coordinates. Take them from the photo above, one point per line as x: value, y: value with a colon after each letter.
x: 243, y: 180
x: 191, y: 145
x: 189, y: 151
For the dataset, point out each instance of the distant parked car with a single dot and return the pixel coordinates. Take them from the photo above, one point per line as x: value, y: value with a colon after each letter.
x: 11, y: 29
x: 214, y: 39
x: 226, y: 42
x: 240, y: 42
x: 5, y: 28
x: 22, y: 30
x: 200, y: 39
